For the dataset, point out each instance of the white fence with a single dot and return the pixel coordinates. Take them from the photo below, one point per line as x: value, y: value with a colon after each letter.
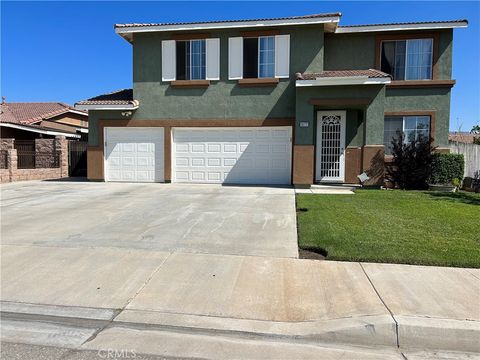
x: 471, y: 152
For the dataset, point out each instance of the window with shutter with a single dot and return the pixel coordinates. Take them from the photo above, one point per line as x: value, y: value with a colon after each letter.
x: 259, y: 57
x: 191, y: 59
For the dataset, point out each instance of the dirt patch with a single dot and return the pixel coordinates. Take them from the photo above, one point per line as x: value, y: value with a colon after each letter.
x: 306, y: 254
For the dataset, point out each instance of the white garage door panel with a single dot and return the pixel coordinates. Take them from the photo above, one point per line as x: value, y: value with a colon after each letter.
x: 232, y: 155
x: 134, y: 154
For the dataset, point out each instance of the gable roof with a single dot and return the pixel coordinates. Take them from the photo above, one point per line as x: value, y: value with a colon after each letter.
x: 28, y: 113
x: 119, y: 99
x: 40, y: 129
x: 330, y: 20
x: 369, y: 73
x: 343, y: 77
x: 126, y: 30
x: 417, y: 25
x: 311, y: 16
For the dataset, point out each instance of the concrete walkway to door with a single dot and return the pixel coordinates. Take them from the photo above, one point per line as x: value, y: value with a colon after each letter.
x: 215, y: 219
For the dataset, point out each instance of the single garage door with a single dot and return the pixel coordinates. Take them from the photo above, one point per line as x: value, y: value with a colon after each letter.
x: 134, y: 154
x: 252, y: 155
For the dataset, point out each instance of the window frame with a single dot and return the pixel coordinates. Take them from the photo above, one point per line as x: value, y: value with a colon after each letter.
x: 258, y: 60
x: 406, y: 67
x: 259, y: 37
x: 189, y: 63
x: 379, y: 38
x: 403, y: 114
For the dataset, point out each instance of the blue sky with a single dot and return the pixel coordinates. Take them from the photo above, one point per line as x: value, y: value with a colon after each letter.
x: 68, y: 51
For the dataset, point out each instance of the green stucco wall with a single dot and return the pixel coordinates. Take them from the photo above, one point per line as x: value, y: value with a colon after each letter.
x: 94, y: 116
x: 349, y: 51
x: 223, y: 99
x: 426, y: 99
x: 354, y: 127
x: 445, y: 54
x: 357, y: 51
x: 364, y: 123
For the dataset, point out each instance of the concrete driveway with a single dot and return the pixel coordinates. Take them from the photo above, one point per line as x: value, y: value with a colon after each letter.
x: 94, y: 266
x: 168, y: 217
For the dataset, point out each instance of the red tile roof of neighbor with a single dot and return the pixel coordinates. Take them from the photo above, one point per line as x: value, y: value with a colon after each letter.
x: 370, y: 73
x: 467, y: 138
x: 312, y: 16
x: 32, y: 112
x: 118, y: 97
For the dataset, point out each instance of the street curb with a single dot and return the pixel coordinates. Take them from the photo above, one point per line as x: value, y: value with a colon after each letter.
x: 376, y: 330
x: 414, y: 332
x: 79, y: 312
x: 438, y: 334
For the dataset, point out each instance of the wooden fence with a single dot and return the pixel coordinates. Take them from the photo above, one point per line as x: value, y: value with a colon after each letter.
x: 471, y: 152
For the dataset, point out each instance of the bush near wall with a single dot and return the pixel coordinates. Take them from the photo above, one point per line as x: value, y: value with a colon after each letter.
x: 446, y: 168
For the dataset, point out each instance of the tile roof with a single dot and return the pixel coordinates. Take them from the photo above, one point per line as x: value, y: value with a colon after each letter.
x: 468, y: 138
x: 407, y: 23
x: 33, y: 127
x: 312, y: 16
x: 118, y: 97
x: 370, y: 73
x: 27, y: 113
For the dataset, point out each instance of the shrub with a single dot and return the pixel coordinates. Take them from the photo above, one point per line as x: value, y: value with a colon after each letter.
x: 447, y: 168
x: 411, y: 162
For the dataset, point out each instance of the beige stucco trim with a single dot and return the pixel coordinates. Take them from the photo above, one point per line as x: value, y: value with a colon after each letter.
x: 303, y: 164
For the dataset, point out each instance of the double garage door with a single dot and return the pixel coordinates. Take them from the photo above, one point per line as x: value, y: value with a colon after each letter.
x: 247, y: 155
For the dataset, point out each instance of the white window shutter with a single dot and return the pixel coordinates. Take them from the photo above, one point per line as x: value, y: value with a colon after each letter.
x: 168, y: 60
x: 213, y: 59
x: 282, y: 56
x: 235, y: 58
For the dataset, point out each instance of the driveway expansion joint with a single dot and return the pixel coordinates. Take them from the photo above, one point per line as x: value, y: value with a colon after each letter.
x: 109, y: 323
x: 383, y: 302
x: 471, y: 273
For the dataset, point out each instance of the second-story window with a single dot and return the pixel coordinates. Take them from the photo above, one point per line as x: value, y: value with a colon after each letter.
x: 407, y: 59
x: 266, y: 58
x: 191, y: 60
x: 259, y: 57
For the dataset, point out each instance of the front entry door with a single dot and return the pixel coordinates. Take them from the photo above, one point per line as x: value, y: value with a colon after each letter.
x: 330, y: 163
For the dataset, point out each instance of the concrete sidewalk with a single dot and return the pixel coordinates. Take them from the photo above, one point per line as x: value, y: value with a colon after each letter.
x: 111, y: 292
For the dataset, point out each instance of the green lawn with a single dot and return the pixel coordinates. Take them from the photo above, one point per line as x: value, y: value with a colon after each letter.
x: 409, y: 227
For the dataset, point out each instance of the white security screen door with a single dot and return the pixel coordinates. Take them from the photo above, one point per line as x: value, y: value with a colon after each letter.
x: 330, y: 154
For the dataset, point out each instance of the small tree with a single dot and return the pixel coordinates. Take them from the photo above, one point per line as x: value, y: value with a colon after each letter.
x: 476, y: 130
x: 412, y: 162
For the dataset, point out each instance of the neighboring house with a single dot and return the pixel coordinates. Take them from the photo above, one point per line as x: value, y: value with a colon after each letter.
x: 34, y: 120
x: 463, y: 137
x: 271, y: 101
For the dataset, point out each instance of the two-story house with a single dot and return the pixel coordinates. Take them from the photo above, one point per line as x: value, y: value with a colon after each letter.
x: 294, y: 100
